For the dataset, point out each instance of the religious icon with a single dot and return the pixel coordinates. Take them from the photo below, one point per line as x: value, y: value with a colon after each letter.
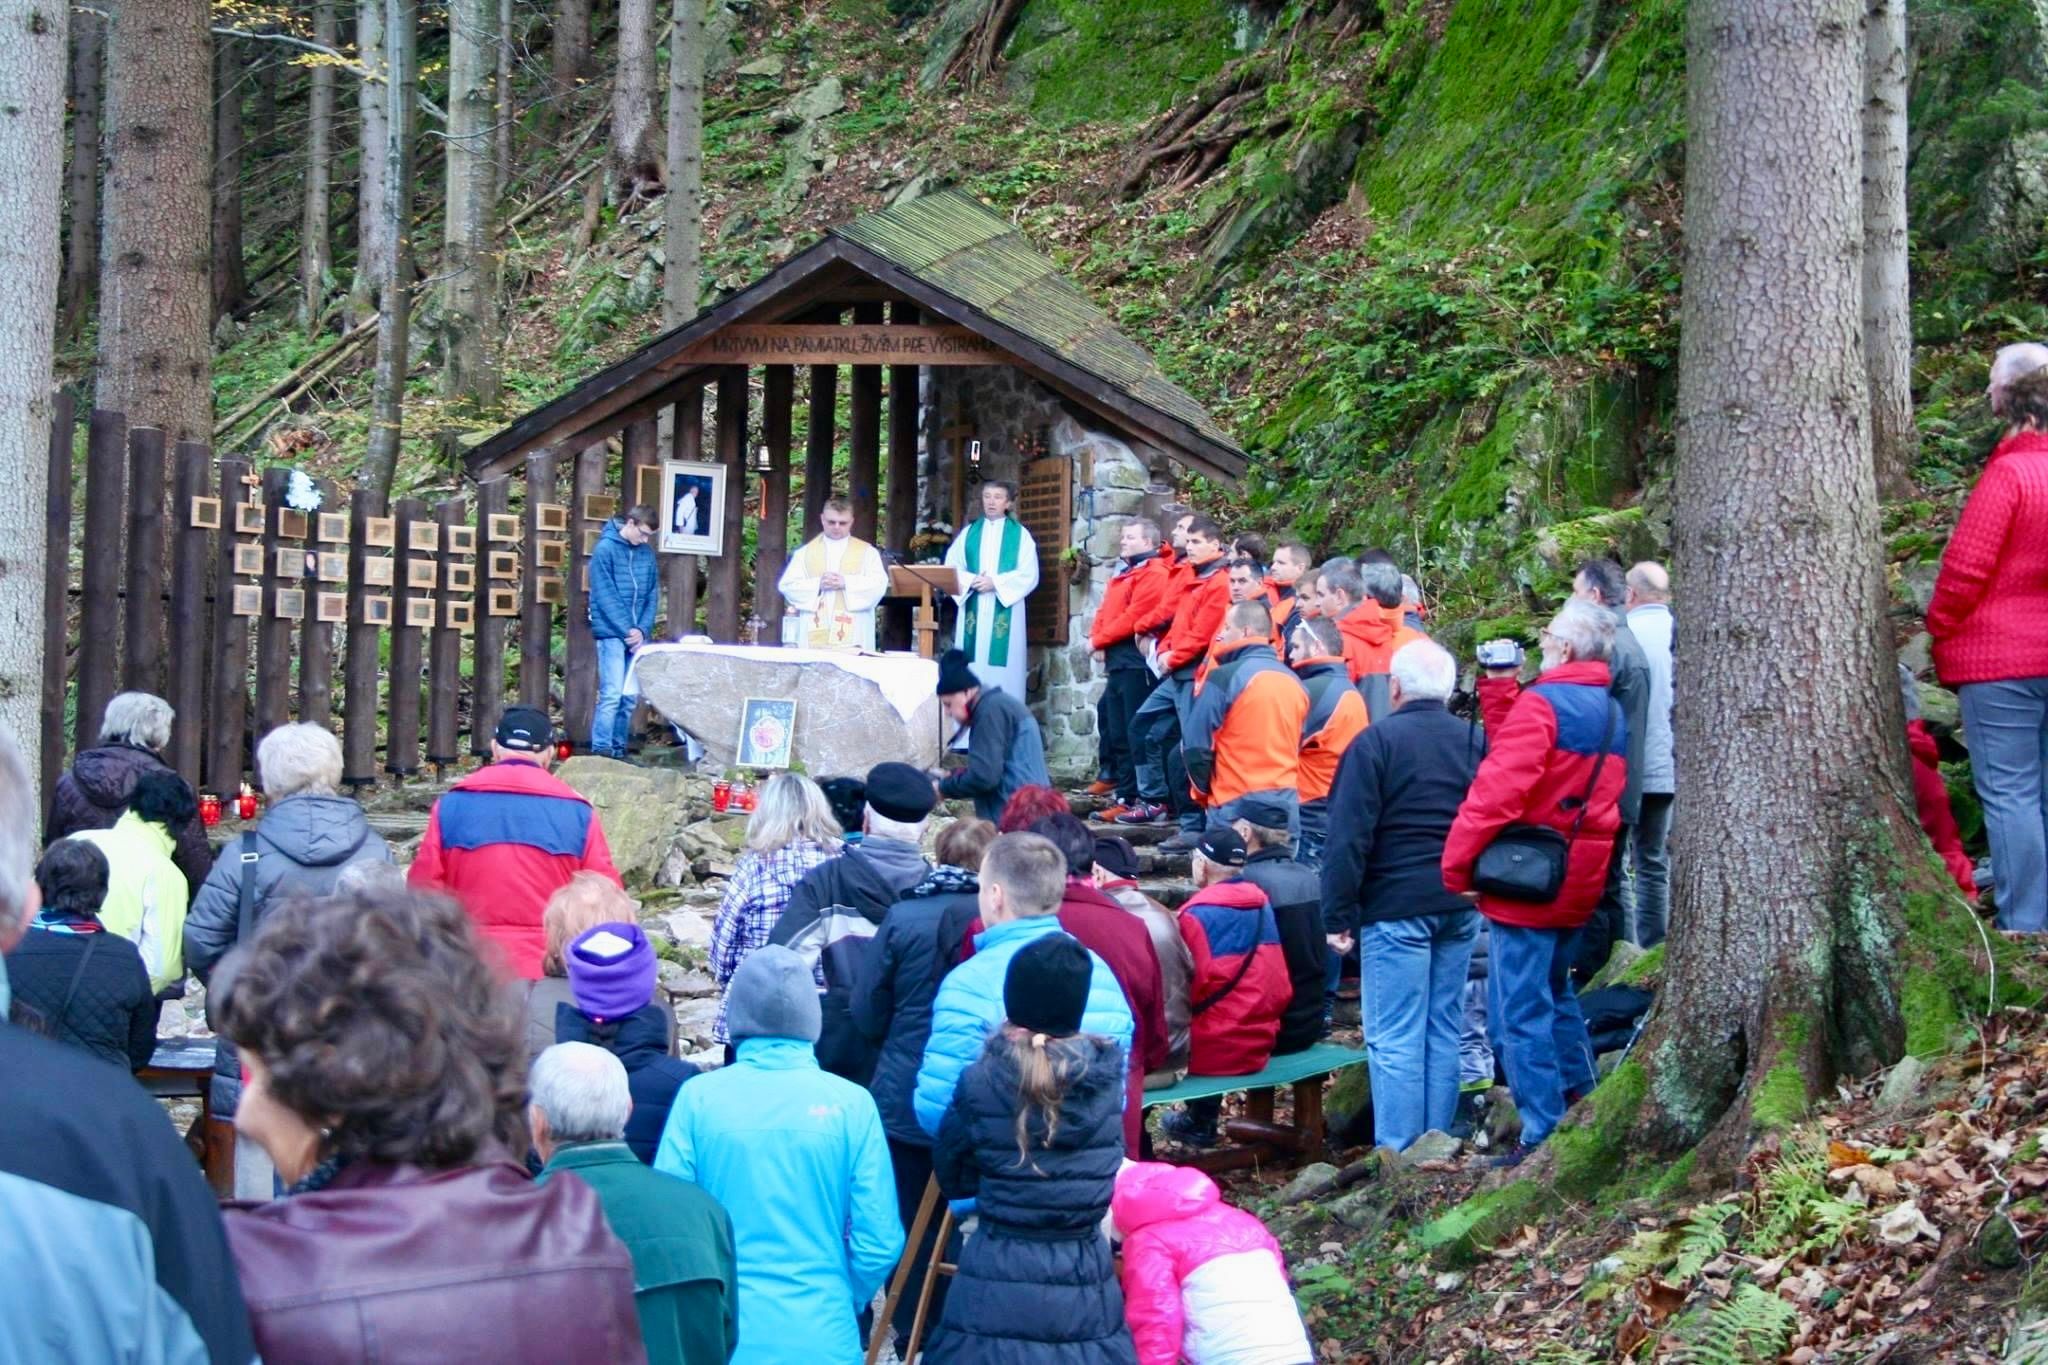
x: 693, y: 508
x: 767, y: 732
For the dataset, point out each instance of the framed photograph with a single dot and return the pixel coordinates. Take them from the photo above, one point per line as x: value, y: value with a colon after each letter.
x: 248, y: 600
x: 462, y: 540
x: 552, y: 554
x: 248, y: 559
x: 459, y: 616
x: 459, y: 578
x: 551, y: 516
x: 421, y: 573
x: 600, y: 507
x: 692, y: 508
x: 291, y: 523
x: 424, y: 536
x: 501, y: 526
x: 334, y: 527
x: 205, y: 514
x: 502, y: 564
x: 381, y: 532
x: 333, y: 567
x: 767, y: 732
x: 330, y: 606
x: 377, y: 608
x: 290, y: 604
x: 380, y: 572
x: 647, y: 484
x: 503, y: 602
x: 419, y: 612
x: 249, y: 518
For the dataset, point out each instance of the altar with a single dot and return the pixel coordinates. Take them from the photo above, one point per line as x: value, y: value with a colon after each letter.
x: 853, y: 709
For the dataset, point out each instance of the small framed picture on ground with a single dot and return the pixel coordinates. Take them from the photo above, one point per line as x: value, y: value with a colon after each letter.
x: 767, y: 732
x: 692, y: 508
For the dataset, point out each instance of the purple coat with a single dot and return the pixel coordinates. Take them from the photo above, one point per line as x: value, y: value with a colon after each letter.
x: 94, y: 793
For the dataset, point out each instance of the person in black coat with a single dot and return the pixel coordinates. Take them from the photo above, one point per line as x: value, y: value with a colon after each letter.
x: 1035, y: 1137
x: 612, y: 977
x: 1296, y: 892
x: 73, y: 980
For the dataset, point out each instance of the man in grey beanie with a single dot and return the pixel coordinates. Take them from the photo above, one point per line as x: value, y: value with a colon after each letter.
x: 797, y: 1156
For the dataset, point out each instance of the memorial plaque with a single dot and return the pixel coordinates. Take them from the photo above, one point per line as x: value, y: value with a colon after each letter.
x: 249, y: 559
x: 381, y: 532
x: 502, y: 526
x: 333, y: 567
x: 419, y: 612
x: 421, y: 573
x: 600, y: 507
x: 553, y: 554
x: 291, y: 523
x: 249, y: 519
x: 377, y: 608
x: 248, y: 600
x: 460, y: 578
x: 204, y: 514
x: 503, y: 601
x: 548, y: 588
x: 290, y: 604
x: 380, y: 572
x: 330, y: 606
x: 552, y: 516
x: 462, y: 540
x: 423, y: 536
x: 503, y: 564
x: 459, y: 616
x: 289, y: 562
x: 334, y: 527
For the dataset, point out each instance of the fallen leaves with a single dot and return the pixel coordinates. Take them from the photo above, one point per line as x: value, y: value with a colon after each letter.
x: 1905, y: 1224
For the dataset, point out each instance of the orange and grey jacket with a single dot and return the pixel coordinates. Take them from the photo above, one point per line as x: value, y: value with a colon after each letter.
x: 1336, y: 716
x: 1243, y: 734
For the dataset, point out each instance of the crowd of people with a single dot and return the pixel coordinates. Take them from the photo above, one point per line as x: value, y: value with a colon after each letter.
x: 458, y: 1122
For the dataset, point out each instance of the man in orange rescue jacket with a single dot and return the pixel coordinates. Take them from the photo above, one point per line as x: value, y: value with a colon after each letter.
x: 1135, y: 608
x: 1243, y: 735
x: 1336, y: 716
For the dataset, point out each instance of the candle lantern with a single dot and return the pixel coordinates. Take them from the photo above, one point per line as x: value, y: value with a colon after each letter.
x: 245, y: 803
x: 209, y: 809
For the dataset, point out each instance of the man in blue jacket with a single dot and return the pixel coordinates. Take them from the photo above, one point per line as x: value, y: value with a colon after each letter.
x: 1023, y: 879
x: 624, y: 586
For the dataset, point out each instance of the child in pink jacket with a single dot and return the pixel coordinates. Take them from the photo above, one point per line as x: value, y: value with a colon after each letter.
x: 1202, y: 1281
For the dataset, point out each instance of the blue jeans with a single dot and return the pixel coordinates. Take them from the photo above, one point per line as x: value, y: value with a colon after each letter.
x: 1536, y: 1018
x: 611, y: 723
x: 1650, y: 849
x: 1155, y: 727
x: 2007, y: 726
x: 1315, y: 832
x: 1411, y: 979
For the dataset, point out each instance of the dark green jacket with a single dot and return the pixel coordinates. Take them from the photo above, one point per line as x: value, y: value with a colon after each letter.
x: 684, y: 1281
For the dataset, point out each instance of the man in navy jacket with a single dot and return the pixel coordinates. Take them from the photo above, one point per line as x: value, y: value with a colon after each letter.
x: 624, y: 586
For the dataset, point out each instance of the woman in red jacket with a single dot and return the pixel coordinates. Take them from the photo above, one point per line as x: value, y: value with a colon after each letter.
x: 1989, y: 620
x: 1556, y: 756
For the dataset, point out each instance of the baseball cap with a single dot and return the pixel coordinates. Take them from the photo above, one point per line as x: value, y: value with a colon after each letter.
x: 525, y: 728
x: 1221, y: 845
x: 1114, y: 855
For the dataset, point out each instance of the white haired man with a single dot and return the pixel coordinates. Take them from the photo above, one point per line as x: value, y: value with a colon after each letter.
x: 1649, y: 620
x: 110, y: 1242
x: 1396, y: 794
x: 685, y: 1281
x: 95, y: 792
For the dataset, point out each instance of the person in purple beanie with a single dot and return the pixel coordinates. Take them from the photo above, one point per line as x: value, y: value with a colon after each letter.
x: 612, y: 976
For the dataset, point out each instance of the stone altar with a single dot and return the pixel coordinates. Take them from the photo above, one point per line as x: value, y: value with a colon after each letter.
x: 853, y: 710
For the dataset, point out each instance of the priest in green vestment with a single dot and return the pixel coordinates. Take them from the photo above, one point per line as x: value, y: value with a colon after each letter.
x: 998, y: 566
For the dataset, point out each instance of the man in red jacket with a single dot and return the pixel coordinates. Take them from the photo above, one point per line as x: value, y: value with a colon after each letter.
x: 1364, y: 599
x: 1200, y: 593
x: 1241, y: 987
x: 507, y: 837
x: 1557, y: 756
x: 1135, y: 609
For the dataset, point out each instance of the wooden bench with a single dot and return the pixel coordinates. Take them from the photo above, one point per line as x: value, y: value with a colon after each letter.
x: 1260, y: 1138
x: 182, y: 1068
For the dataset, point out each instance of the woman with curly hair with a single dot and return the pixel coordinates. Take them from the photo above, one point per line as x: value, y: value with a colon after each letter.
x: 387, y: 1083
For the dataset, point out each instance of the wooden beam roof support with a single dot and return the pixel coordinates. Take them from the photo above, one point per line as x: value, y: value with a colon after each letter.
x: 722, y: 606
x: 679, y: 572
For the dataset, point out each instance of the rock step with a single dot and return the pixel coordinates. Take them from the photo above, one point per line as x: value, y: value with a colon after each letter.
x: 1139, y: 835
x: 398, y: 825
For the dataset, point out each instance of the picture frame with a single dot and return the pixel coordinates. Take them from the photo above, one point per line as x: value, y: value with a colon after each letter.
x: 590, y: 539
x: 289, y: 562
x: 380, y: 572
x: 248, y: 518
x: 289, y: 604
x: 423, y: 536
x: 330, y: 606
x: 501, y: 526
x: 422, y: 573
x: 291, y: 523
x: 502, y: 564
x: 459, y: 578
x: 333, y: 567
x: 551, y: 554
x: 333, y: 528
x: 647, y: 484
x: 548, y: 588
x: 461, y: 540
x: 767, y: 732
x: 377, y: 608
x: 248, y: 560
x: 381, y: 532
x: 459, y: 616
x: 248, y: 600
x: 600, y: 506
x: 502, y: 602
x: 204, y: 514
x: 551, y: 516
x: 692, y: 506
x: 419, y: 613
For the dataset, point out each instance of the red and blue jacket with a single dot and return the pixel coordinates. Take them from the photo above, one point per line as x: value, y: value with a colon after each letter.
x: 1542, y: 744
x: 1240, y: 987
x: 502, y: 841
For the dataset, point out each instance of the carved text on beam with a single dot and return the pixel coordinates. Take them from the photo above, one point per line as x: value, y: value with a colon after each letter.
x: 808, y: 344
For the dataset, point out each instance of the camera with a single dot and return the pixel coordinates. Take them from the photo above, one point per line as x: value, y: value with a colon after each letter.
x: 1500, y: 654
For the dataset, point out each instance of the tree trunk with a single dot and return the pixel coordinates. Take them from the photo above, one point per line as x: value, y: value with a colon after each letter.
x: 155, y: 337
x: 470, y: 261
x: 1783, y: 967
x: 32, y: 44
x: 635, y: 160
x: 1887, y: 316
x: 82, y: 180
x: 394, y: 273
x: 505, y: 102
x: 571, y: 48
x: 375, y: 139
x: 683, y: 239
x: 316, y: 244
x: 230, y: 281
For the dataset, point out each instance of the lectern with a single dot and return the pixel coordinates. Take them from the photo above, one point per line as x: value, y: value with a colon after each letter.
x: 921, y: 581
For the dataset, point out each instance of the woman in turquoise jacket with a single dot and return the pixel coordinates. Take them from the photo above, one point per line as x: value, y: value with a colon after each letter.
x: 797, y: 1157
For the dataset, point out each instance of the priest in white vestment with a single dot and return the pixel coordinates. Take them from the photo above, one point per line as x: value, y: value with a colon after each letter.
x: 834, y: 582
x: 998, y: 566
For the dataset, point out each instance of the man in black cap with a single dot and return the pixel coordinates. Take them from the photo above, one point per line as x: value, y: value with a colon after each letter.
x: 1296, y: 892
x: 1004, y: 748
x: 841, y: 896
x: 508, y: 836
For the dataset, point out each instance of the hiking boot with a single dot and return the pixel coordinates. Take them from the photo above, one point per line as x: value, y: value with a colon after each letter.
x: 1184, y: 1128
x: 1101, y: 787
x: 1143, y: 812
x: 1184, y: 842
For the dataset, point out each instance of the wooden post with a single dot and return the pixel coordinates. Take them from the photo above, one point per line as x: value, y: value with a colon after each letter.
x: 273, y: 632
x: 536, y: 618
x: 771, y: 541
x: 361, y: 668
x: 722, y: 612
x: 642, y: 450
x: 444, y: 654
x: 864, y: 435
x: 316, y: 649
x: 142, y: 615
x: 679, y: 572
x: 99, y: 607
x: 187, y: 696
x: 57, y: 591
x: 900, y: 520
x: 818, y: 441
x: 493, y: 498
x: 402, y: 710
x: 579, y: 648
x: 227, y: 721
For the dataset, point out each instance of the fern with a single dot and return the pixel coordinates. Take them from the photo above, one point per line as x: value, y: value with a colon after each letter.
x: 1753, y: 1324
x: 1788, y: 1194
x: 1830, y: 1222
x: 2029, y: 1344
x: 1705, y: 1237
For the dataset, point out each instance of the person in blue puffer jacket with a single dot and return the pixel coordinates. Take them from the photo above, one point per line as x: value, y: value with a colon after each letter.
x: 1023, y: 877
x: 624, y: 586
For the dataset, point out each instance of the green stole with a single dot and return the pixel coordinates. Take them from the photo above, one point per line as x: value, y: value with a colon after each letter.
x: 1006, y: 562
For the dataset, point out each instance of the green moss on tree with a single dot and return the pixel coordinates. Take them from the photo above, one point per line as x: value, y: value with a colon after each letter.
x: 1591, y: 1148
x: 1465, y: 1232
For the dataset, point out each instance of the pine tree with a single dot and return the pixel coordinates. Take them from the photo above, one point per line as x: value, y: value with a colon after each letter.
x: 1887, y: 315
x: 316, y: 244
x: 394, y: 272
x: 470, y: 262
x: 683, y: 238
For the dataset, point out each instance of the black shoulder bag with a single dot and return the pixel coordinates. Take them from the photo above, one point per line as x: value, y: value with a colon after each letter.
x: 1528, y: 862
